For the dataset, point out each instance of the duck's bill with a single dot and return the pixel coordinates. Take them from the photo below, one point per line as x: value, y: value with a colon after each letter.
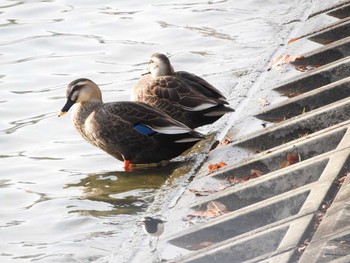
x: 66, y: 107
x: 61, y: 113
x: 146, y: 73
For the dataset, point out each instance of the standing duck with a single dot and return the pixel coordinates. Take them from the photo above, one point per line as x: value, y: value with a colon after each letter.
x: 132, y: 132
x: 184, y: 96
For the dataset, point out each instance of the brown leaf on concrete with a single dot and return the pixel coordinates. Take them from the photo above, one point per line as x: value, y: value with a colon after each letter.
x: 225, y: 141
x: 216, y: 166
x: 292, y: 158
x: 217, y: 207
x: 281, y: 60
x: 236, y: 180
x: 293, y: 40
x: 255, y: 173
x: 214, y: 209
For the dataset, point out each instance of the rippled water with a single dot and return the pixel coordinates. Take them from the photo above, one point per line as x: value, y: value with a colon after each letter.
x: 63, y: 200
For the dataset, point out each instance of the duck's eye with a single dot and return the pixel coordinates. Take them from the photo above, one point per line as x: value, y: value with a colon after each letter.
x: 75, y: 91
x: 74, y: 95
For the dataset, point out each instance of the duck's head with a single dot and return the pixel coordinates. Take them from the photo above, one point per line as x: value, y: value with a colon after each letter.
x: 80, y: 90
x: 160, y: 65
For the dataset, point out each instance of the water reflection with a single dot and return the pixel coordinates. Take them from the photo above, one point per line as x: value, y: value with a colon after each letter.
x: 18, y: 124
x: 126, y: 192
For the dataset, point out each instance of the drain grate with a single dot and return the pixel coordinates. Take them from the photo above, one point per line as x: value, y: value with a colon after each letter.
x: 287, y: 214
x: 332, y: 34
x: 316, y: 78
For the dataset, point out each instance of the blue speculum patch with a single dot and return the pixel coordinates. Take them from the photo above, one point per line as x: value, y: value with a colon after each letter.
x: 144, y: 129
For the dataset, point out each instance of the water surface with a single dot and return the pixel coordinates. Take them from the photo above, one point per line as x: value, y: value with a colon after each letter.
x: 63, y: 200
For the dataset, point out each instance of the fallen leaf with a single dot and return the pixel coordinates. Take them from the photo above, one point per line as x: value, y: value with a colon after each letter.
x: 293, y: 39
x: 203, y: 214
x: 214, y: 209
x: 292, y: 158
x: 236, y: 180
x: 281, y: 60
x: 255, y: 173
x: 216, y: 206
x: 201, y: 245
x: 216, y: 166
x: 225, y: 141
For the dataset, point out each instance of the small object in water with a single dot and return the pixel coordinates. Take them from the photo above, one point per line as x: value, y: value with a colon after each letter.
x: 153, y: 227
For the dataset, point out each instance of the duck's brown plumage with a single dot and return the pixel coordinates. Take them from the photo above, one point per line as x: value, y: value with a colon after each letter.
x: 184, y: 96
x: 129, y: 131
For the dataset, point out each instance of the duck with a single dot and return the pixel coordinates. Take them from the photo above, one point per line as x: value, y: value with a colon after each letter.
x: 132, y: 132
x: 184, y: 96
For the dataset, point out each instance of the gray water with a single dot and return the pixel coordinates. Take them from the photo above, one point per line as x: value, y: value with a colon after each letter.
x: 63, y: 200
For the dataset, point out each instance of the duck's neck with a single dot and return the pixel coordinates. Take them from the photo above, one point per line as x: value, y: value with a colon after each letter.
x: 82, y: 111
x: 163, y: 70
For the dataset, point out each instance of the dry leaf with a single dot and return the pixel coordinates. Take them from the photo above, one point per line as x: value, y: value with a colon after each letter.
x: 201, y: 245
x: 293, y: 39
x: 281, y: 60
x: 203, y: 214
x: 236, y: 180
x: 216, y: 166
x: 292, y: 158
x: 216, y: 206
x: 255, y: 173
x: 214, y: 209
x: 225, y: 141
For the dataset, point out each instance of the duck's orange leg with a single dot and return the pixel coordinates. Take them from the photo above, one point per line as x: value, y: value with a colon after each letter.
x: 127, y: 165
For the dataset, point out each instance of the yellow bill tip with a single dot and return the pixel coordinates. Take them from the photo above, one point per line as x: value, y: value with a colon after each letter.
x: 61, y: 113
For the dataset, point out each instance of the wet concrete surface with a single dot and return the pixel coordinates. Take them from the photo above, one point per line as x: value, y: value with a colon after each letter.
x: 282, y: 194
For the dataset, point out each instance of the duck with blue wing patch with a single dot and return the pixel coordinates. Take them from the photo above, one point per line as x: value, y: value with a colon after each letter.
x: 132, y: 132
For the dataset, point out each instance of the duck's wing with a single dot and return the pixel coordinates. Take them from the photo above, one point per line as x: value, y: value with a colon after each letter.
x: 200, y: 84
x: 145, y: 118
x: 173, y: 90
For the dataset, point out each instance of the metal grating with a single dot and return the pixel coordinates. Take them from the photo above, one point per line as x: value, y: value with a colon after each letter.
x: 287, y: 214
